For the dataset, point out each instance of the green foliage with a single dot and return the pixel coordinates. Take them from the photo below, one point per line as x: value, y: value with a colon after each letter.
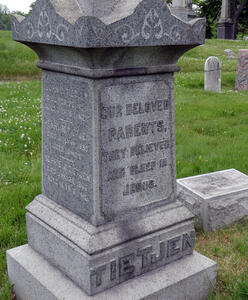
x: 20, y: 172
x: 210, y: 9
x: 31, y: 7
x: 16, y: 60
x: 4, y: 18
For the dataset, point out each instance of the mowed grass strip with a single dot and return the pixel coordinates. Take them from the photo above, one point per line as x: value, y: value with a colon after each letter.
x: 211, y: 128
x: 229, y: 248
x: 17, y: 61
x: 20, y: 164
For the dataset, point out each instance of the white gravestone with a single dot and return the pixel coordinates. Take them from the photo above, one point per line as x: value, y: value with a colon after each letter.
x: 212, y: 71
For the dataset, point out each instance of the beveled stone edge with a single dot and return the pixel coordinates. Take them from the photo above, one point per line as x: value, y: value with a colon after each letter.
x: 107, y: 73
x: 95, y: 239
x: 96, y: 34
x: 201, y: 196
x: 22, y: 263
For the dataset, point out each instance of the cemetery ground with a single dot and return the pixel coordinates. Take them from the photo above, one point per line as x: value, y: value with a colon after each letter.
x: 211, y: 135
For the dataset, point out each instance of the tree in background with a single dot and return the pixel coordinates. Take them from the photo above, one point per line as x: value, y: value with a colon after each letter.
x: 210, y: 9
x: 31, y: 7
x: 5, y: 23
x: 4, y: 18
x: 239, y: 10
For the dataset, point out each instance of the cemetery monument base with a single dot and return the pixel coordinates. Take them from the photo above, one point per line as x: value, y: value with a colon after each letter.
x: 224, y: 30
x: 190, y: 278
x: 108, y: 217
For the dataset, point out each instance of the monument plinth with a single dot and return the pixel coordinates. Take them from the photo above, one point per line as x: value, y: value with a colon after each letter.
x: 108, y: 211
x: 225, y: 24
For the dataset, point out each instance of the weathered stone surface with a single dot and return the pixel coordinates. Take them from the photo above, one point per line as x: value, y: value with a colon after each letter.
x: 224, y: 25
x: 217, y: 199
x: 141, y: 239
x: 183, y: 9
x: 242, y: 70
x: 230, y: 54
x: 225, y: 11
x: 212, y: 69
x: 190, y: 278
x: 108, y: 209
x: 135, y: 152
x: 138, y: 23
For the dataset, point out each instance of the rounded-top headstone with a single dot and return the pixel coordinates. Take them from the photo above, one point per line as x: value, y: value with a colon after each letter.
x: 213, y: 74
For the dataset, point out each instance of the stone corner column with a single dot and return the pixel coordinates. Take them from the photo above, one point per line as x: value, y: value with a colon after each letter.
x: 108, y: 210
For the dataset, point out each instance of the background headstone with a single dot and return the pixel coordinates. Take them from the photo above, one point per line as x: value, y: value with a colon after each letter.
x: 183, y: 9
x: 229, y: 54
x: 242, y: 70
x: 212, y: 70
x: 217, y: 199
x: 224, y: 25
x: 108, y: 210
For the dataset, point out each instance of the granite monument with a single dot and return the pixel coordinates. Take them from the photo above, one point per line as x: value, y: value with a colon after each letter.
x: 242, y: 70
x: 225, y: 24
x: 183, y: 9
x: 108, y: 211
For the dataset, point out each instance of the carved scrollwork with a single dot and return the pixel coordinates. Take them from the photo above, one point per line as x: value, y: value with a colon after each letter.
x: 44, y: 25
x: 30, y: 30
x: 176, y: 33
x: 45, y: 28
x: 198, y: 30
x: 60, y: 32
x: 152, y: 25
x: 127, y: 33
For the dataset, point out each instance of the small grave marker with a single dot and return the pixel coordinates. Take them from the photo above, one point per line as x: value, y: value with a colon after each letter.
x: 212, y: 69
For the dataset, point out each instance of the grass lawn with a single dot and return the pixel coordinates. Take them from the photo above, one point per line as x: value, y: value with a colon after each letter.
x: 211, y: 133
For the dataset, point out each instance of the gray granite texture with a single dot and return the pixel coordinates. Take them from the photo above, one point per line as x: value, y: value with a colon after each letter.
x: 144, y: 242
x: 230, y: 54
x: 183, y: 9
x: 242, y: 70
x: 224, y: 30
x: 108, y: 145
x: 217, y: 199
x: 135, y: 23
x: 190, y: 278
x: 212, y: 72
x: 225, y: 11
x: 108, y: 211
x: 224, y: 25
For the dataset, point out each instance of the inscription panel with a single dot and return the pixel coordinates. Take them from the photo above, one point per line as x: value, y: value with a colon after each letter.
x: 137, y: 145
x: 67, y: 142
x: 133, y: 262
